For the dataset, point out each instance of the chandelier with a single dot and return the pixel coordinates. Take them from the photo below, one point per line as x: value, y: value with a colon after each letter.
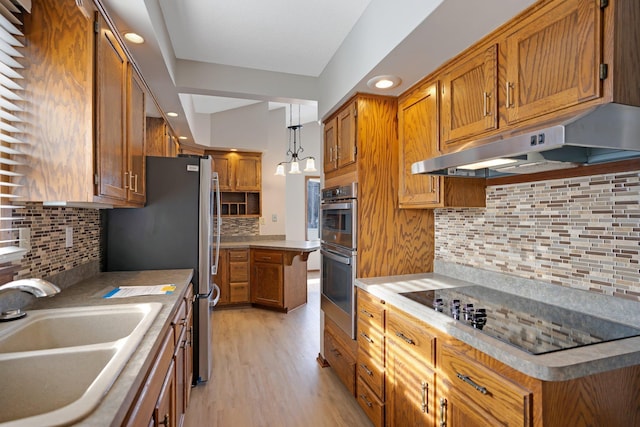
x: 295, y: 149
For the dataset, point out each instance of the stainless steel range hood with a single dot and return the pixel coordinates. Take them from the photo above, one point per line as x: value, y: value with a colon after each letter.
x: 606, y: 133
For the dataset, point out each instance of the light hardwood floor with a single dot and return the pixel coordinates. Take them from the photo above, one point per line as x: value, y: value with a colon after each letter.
x: 265, y: 373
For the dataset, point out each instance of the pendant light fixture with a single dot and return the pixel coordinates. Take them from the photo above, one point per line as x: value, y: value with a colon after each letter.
x: 295, y: 149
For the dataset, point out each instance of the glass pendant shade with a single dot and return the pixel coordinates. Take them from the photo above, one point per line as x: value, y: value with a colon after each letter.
x: 295, y: 167
x: 311, y: 165
x: 279, y: 170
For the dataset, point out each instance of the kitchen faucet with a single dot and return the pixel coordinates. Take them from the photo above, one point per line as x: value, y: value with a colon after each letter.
x: 37, y: 287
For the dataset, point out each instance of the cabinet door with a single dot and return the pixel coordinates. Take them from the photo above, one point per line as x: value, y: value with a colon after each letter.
x: 136, y: 139
x: 418, y: 140
x: 111, y: 91
x: 330, y: 144
x: 469, y: 98
x: 553, y: 59
x: 222, y: 278
x: 347, y: 134
x: 248, y: 173
x: 267, y: 282
x: 165, y: 410
x: 410, y: 390
x: 222, y: 165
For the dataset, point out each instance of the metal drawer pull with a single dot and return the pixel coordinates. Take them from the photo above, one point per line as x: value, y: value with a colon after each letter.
x: 407, y: 339
x: 486, y: 104
x: 336, y: 352
x: 369, y: 372
x: 363, y: 397
x: 443, y: 412
x: 425, y: 397
x: 366, y: 313
x: 469, y: 381
x: 363, y: 335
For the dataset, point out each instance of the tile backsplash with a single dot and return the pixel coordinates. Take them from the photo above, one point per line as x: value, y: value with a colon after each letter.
x: 238, y: 226
x: 578, y: 232
x: 49, y: 254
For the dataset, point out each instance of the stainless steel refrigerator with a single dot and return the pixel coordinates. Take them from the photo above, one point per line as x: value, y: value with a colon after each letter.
x: 174, y: 230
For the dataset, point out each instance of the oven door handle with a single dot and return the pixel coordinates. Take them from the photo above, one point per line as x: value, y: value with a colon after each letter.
x: 336, y: 257
x: 327, y: 206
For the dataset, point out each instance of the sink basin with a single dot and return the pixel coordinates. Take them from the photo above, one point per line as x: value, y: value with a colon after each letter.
x: 49, y: 329
x: 56, y: 365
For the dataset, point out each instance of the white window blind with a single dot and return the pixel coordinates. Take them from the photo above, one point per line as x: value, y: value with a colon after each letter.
x: 11, y: 122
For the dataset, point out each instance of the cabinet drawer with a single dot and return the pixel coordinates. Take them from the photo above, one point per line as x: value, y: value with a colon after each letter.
x: 341, y: 361
x: 239, y: 292
x: 370, y: 310
x: 371, y: 342
x: 411, y: 334
x: 498, y: 396
x: 371, y: 373
x: 267, y: 256
x: 238, y: 271
x: 238, y: 255
x: 370, y: 403
x: 179, y: 322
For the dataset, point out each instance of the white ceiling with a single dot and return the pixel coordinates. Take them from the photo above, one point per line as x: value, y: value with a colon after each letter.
x: 205, y: 56
x: 288, y: 36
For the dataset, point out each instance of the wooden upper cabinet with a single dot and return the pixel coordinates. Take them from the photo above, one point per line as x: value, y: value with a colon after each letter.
x: 340, y: 138
x: 111, y: 104
x: 157, y: 141
x: 136, y: 139
x: 418, y: 137
x: 330, y: 144
x: 418, y: 140
x: 238, y: 171
x: 553, y: 59
x: 222, y: 165
x: 347, y: 146
x: 248, y: 172
x: 470, y: 98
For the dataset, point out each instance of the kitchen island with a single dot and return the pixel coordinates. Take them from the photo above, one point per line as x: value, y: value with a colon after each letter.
x: 265, y: 273
x: 115, y: 406
x: 480, y: 380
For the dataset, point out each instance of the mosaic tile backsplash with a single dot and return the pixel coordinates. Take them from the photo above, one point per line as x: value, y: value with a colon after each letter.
x: 48, y: 254
x: 578, y: 232
x: 237, y: 226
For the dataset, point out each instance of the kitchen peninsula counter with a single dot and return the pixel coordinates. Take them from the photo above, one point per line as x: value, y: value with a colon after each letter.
x: 114, y: 406
x: 285, y: 245
x: 554, y: 366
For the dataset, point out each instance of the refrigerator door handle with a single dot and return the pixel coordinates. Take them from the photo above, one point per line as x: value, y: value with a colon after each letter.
x: 217, y: 298
x: 215, y: 181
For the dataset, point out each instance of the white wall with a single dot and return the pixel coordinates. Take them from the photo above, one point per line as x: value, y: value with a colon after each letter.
x: 255, y: 128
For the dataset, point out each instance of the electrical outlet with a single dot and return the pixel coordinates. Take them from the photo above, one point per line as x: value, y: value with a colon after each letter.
x: 262, y: 221
x: 25, y: 238
x: 274, y: 218
x: 68, y: 237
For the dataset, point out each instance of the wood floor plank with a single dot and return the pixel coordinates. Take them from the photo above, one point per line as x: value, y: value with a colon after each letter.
x: 265, y: 373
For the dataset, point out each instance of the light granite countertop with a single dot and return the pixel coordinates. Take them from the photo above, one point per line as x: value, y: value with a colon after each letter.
x: 554, y: 366
x: 114, y: 405
x: 286, y: 245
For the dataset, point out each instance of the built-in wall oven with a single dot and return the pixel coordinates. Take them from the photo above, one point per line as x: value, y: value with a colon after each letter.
x: 338, y: 250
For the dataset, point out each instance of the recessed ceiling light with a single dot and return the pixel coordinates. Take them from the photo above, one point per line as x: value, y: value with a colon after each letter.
x: 134, y: 38
x: 172, y: 114
x: 384, y: 82
x: 182, y: 137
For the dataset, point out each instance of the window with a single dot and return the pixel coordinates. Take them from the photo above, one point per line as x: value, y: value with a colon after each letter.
x: 312, y: 199
x: 11, y: 123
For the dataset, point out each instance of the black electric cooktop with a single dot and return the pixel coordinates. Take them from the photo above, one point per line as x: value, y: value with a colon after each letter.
x: 533, y: 326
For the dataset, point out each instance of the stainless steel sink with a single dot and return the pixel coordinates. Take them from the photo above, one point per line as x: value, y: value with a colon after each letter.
x: 56, y: 365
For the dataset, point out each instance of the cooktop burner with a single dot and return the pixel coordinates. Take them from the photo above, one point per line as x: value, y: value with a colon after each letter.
x: 530, y: 325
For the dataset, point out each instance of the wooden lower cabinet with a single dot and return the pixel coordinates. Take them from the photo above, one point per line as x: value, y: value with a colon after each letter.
x: 278, y: 278
x: 233, y: 276
x: 164, y: 396
x: 340, y: 353
x: 410, y: 389
x: 371, y: 360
